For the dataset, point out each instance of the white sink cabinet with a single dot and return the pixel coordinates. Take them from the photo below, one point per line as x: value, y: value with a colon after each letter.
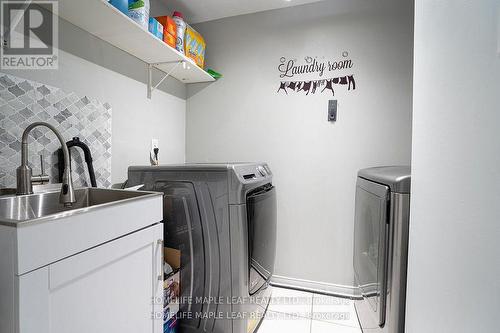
x: 99, y: 271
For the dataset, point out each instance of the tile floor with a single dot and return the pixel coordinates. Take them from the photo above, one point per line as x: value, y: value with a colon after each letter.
x: 294, y: 311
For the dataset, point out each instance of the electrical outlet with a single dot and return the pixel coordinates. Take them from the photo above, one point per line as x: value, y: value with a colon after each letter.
x: 154, y: 144
x: 332, y: 110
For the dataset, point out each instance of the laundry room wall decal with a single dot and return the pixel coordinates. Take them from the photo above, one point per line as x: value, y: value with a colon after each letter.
x: 291, y: 68
x: 313, y: 86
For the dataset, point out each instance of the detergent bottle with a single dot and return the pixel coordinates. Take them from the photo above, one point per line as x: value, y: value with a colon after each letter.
x: 181, y: 31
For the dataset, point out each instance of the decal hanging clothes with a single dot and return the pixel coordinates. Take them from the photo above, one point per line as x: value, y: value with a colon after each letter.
x: 311, y: 87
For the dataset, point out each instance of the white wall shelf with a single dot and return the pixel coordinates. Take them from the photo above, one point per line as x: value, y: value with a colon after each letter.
x: 104, y: 21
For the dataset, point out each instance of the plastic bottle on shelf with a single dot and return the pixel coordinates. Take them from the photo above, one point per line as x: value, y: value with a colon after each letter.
x: 121, y: 5
x: 138, y: 10
x: 181, y: 31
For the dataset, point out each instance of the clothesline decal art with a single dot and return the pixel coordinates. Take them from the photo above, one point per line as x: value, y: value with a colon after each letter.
x: 311, y: 87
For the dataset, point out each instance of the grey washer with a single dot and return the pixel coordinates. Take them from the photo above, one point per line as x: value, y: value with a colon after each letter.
x: 222, y: 217
x: 381, y: 247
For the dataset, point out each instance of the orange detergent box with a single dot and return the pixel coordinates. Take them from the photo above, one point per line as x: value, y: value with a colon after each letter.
x: 195, y: 46
x: 169, y: 29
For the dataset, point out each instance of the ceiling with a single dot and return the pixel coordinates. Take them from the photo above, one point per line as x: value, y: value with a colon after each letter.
x: 197, y: 11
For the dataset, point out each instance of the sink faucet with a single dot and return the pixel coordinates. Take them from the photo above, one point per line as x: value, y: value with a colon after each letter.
x: 24, y: 172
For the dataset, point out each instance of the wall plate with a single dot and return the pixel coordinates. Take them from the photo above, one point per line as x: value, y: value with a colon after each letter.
x: 152, y: 156
x: 154, y: 144
x: 332, y: 110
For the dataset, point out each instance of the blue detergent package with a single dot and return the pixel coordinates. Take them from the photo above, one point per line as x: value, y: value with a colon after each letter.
x: 156, y: 28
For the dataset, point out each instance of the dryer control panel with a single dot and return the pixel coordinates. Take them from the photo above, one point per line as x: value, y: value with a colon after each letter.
x: 251, y: 172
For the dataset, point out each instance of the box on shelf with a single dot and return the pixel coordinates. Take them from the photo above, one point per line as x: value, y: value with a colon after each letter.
x: 195, y: 46
x: 169, y: 29
x: 171, y: 289
x: 156, y: 28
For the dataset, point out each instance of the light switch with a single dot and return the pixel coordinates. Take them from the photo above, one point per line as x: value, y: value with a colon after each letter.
x: 332, y: 110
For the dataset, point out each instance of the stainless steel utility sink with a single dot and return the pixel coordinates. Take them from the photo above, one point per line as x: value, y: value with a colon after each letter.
x: 18, y: 210
x: 7, y: 191
x: 36, y: 189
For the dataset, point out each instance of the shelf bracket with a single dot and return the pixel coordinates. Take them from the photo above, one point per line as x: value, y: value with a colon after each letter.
x: 151, y: 88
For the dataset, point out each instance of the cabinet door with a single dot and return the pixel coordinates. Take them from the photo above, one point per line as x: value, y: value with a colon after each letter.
x: 114, y: 287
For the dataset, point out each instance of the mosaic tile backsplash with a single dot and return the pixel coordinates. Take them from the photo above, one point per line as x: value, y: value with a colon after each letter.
x: 23, y: 102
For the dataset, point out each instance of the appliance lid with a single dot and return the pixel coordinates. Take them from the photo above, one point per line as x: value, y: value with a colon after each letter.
x: 223, y: 166
x: 398, y: 178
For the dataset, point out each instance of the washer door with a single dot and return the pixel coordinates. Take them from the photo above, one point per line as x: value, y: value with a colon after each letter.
x: 261, y: 215
x: 371, y: 239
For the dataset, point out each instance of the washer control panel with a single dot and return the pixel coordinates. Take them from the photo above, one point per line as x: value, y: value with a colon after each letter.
x: 252, y: 172
x: 262, y: 170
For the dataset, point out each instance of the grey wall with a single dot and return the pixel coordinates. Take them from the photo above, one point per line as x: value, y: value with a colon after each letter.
x: 454, y: 259
x: 88, y: 66
x: 243, y: 118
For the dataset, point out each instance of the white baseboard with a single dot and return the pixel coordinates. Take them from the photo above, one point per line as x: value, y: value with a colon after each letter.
x: 316, y: 287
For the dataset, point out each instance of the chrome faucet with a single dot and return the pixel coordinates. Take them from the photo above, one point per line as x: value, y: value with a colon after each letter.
x: 24, y: 172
